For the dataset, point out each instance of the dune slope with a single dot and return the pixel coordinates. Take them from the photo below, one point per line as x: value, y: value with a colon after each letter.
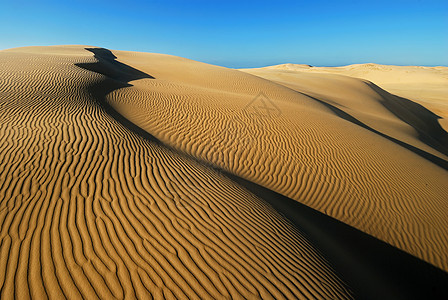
x: 137, y: 175
x: 426, y: 85
x: 340, y: 145
x: 90, y: 209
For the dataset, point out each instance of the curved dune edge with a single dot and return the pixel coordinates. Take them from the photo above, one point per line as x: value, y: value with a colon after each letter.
x: 395, y: 116
x: 364, y: 262
x: 373, y: 269
x: 427, y: 86
x: 88, y: 209
x: 381, y: 178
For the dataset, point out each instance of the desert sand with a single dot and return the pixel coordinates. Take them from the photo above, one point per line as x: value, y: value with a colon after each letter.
x: 427, y: 86
x: 116, y: 173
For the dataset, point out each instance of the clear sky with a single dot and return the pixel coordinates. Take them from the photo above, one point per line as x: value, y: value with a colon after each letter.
x: 240, y: 33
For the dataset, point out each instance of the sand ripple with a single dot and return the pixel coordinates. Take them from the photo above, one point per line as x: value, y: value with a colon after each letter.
x: 88, y: 209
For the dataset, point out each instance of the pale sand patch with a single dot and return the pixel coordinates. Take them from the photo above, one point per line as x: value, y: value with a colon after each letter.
x: 425, y: 85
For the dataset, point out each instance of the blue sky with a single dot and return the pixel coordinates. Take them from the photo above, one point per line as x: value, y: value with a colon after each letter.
x: 240, y: 33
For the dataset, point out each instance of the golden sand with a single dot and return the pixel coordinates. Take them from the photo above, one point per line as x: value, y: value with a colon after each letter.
x: 88, y: 209
x: 292, y: 142
x: 91, y: 209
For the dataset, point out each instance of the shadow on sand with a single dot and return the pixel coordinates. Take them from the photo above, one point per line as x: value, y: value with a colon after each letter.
x: 428, y: 134
x: 424, y: 121
x: 373, y: 269
x: 118, y: 75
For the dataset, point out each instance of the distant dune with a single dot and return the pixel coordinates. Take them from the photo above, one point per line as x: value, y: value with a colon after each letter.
x: 126, y: 174
x: 426, y: 85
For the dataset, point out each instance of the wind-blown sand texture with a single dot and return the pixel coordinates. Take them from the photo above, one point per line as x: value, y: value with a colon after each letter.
x: 301, y: 147
x: 91, y: 210
x: 110, y: 184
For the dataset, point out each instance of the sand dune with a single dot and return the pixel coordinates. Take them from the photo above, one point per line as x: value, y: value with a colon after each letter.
x: 110, y: 184
x: 88, y: 209
x: 386, y: 178
x: 426, y: 85
x: 395, y: 116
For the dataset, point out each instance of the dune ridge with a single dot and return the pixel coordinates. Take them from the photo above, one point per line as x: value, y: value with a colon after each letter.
x: 88, y: 209
x: 359, y: 257
x: 111, y: 185
x: 427, y: 86
x: 383, y: 178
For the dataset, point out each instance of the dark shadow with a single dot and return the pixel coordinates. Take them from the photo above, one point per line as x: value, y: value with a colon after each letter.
x: 110, y: 67
x: 372, y: 269
x: 118, y: 75
x: 431, y: 157
x: 424, y: 121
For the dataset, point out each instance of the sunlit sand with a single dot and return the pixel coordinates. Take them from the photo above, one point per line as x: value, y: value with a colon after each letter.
x: 127, y: 174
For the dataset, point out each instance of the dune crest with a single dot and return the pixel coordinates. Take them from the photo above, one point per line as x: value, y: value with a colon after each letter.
x: 426, y: 85
x: 88, y: 209
x: 386, y: 177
